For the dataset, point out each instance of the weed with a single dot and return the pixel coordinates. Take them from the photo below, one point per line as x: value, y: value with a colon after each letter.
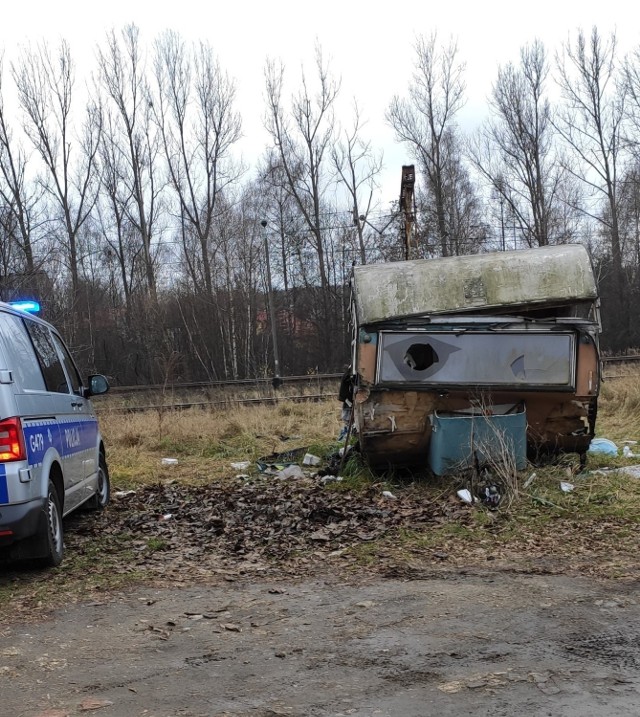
x: 155, y: 543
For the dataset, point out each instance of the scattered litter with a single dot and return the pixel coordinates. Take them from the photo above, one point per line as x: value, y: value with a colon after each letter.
x: 388, y: 494
x: 630, y: 443
x: 628, y: 453
x: 169, y: 461
x: 566, y: 487
x: 123, y: 493
x: 529, y: 480
x: 243, y: 476
x: 167, y: 516
x: 603, y: 445
x: 465, y: 495
x: 276, y: 462
x: 631, y: 471
x: 292, y: 471
x: 241, y: 466
x: 393, y: 423
x: 491, y: 496
x: 310, y: 460
x: 331, y: 479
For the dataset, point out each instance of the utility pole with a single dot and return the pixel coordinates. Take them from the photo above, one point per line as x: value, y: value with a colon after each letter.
x: 277, y: 381
x: 407, y: 207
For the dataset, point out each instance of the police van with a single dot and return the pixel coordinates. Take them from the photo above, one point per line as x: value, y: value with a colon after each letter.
x: 52, y: 458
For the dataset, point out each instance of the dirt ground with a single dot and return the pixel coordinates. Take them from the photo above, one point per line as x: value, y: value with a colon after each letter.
x: 441, y: 642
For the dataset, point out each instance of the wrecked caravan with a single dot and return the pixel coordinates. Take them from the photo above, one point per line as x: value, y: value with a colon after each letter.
x: 449, y: 352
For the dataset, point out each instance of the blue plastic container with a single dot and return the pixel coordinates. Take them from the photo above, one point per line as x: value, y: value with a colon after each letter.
x: 456, y: 437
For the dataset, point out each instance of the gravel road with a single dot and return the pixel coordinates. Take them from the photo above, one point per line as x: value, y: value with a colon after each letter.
x: 442, y: 643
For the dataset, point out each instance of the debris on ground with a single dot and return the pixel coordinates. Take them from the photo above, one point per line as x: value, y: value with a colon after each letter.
x: 292, y: 471
x: 631, y: 471
x: 603, y: 446
x: 491, y: 495
x: 465, y: 495
x: 310, y: 460
x: 259, y: 519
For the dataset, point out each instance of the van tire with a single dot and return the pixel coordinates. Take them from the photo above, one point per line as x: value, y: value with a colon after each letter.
x: 51, y: 538
x: 100, y: 500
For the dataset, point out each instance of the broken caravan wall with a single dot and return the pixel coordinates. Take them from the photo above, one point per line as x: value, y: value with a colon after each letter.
x: 494, y: 331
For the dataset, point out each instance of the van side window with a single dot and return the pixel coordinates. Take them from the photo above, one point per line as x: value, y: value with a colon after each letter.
x: 19, y: 353
x: 70, y: 367
x: 48, y: 358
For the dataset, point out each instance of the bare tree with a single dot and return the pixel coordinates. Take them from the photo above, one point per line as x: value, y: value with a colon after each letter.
x: 357, y: 166
x: 130, y: 156
x: 122, y: 242
x: 591, y: 123
x: 45, y: 84
x: 302, y: 137
x: 19, y: 196
x: 425, y: 121
x: 515, y: 150
x: 194, y: 109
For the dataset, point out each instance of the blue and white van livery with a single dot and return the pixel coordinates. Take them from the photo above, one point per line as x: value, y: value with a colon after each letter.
x: 52, y: 457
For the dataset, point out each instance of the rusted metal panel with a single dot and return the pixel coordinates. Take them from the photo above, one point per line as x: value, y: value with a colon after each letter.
x: 366, y: 367
x: 588, y: 371
x: 393, y: 432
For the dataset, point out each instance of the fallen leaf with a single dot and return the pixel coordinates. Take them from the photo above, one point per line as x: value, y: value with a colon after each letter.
x: 451, y: 687
x: 94, y: 703
x: 231, y: 627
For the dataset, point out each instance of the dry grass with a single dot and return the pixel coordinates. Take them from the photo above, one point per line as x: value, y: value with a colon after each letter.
x: 205, y: 442
x: 619, y: 410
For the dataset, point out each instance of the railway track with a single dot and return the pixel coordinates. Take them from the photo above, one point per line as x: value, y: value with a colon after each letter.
x: 246, y: 382
x: 262, y: 383
x: 222, y: 404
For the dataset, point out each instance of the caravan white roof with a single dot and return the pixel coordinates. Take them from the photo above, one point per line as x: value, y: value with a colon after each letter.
x: 553, y: 275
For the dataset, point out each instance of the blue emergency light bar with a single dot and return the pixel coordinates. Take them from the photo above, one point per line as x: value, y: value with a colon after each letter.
x: 31, y: 307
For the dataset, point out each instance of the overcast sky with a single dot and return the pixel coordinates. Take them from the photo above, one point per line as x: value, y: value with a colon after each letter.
x: 369, y: 44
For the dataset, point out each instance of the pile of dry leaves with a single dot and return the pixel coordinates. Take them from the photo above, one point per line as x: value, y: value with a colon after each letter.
x: 260, y: 518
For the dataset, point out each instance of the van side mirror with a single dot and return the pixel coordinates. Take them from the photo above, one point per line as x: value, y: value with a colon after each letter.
x: 98, y: 385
